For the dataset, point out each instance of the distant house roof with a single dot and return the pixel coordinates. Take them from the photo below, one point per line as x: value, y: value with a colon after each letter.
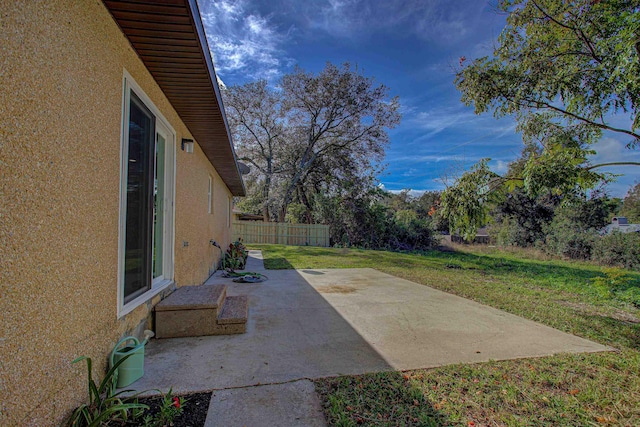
x: 620, y: 220
x: 242, y: 216
x: 620, y: 224
x: 169, y: 38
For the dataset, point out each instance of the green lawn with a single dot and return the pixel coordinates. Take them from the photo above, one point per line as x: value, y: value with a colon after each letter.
x: 567, y: 390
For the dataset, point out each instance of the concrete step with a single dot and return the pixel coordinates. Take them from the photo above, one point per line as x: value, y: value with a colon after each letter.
x: 194, y: 298
x: 233, y: 317
x: 235, y: 310
x: 193, y: 311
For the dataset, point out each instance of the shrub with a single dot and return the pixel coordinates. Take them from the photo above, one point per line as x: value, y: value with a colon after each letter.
x: 520, y: 219
x: 508, y: 232
x: 364, y: 222
x: 571, y: 243
x: 236, y: 256
x: 618, y: 249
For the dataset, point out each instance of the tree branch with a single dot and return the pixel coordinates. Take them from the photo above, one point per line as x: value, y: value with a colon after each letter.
x: 613, y: 164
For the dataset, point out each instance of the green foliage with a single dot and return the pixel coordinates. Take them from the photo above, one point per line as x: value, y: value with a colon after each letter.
x: 613, y: 280
x: 411, y: 231
x: 573, y: 233
x: 467, y: 204
x: 235, y: 257
x: 618, y: 249
x: 170, y: 408
x: 631, y: 206
x: 559, y: 169
x: 521, y: 220
x: 508, y: 232
x: 108, y: 408
x: 296, y: 213
x: 354, y: 219
x: 565, y: 240
x: 566, y: 64
x: 104, y: 406
x: 563, y: 70
x: 569, y: 238
x: 362, y: 220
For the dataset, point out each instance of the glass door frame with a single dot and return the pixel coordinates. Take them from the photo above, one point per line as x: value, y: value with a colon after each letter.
x: 163, y: 128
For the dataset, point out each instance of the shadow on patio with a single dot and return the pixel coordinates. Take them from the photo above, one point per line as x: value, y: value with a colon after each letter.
x: 319, y: 323
x: 292, y: 333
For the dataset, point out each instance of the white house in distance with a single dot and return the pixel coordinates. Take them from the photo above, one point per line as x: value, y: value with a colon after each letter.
x: 620, y: 224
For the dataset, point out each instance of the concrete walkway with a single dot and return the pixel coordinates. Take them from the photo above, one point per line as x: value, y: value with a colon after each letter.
x: 293, y: 404
x: 306, y: 324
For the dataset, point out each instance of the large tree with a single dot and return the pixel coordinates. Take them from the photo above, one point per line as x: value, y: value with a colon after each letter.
x: 314, y: 133
x: 564, y: 70
x: 631, y: 206
x: 257, y: 122
x: 339, y: 118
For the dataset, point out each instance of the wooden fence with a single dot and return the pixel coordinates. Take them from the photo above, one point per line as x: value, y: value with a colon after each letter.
x: 281, y: 233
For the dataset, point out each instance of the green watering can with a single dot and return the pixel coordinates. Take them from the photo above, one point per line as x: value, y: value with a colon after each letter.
x: 132, y: 369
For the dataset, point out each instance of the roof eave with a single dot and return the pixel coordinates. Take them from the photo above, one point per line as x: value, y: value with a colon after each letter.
x: 170, y: 40
x: 197, y: 19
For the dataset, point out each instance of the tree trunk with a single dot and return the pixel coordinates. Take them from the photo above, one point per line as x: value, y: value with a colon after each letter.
x: 265, y: 194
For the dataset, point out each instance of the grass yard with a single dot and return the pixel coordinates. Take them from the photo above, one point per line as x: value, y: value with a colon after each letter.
x: 566, y: 390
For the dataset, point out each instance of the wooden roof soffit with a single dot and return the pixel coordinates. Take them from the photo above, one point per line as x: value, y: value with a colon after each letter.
x: 169, y: 37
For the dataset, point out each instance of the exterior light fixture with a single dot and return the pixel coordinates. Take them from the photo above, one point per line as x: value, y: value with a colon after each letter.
x: 243, y: 168
x: 187, y: 145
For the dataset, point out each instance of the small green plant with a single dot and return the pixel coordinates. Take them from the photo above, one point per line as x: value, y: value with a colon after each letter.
x: 105, y: 406
x: 235, y: 258
x: 231, y: 264
x: 614, y: 279
x: 171, y: 407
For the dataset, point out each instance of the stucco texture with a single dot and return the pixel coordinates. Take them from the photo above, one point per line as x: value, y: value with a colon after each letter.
x: 194, y: 225
x: 61, y: 67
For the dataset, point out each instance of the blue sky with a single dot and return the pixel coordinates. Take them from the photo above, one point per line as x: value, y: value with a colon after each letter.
x: 410, y: 46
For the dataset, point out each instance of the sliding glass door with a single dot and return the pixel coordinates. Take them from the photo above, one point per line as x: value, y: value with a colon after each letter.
x: 147, y: 216
x: 139, y: 209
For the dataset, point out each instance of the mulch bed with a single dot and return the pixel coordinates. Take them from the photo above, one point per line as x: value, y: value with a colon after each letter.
x: 195, y: 409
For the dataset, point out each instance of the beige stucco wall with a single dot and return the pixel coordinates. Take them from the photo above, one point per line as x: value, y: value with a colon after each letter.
x: 194, y: 225
x: 61, y: 67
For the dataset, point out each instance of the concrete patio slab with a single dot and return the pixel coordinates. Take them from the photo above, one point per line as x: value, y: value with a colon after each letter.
x: 318, y: 323
x: 293, y: 404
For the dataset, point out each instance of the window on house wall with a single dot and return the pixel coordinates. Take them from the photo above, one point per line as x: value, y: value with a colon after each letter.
x: 146, y: 202
x: 210, y: 195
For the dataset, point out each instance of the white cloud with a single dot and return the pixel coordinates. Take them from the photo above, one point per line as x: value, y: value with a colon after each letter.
x: 499, y: 166
x: 611, y: 150
x: 441, y: 21
x: 242, y: 41
x: 459, y: 118
x: 422, y: 158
